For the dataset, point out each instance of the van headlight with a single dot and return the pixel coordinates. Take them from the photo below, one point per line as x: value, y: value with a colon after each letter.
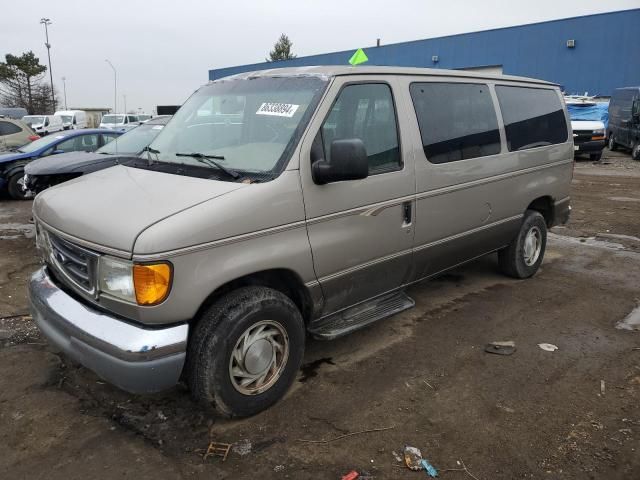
x: 141, y: 283
x: 599, y: 132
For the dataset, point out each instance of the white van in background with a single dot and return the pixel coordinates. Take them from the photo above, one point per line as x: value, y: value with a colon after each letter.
x: 119, y: 121
x: 44, y: 124
x: 73, y: 119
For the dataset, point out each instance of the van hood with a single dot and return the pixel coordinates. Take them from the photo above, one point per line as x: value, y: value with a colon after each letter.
x: 587, y: 125
x: 111, y: 207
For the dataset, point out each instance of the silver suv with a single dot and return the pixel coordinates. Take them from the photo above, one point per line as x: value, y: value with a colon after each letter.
x: 293, y: 201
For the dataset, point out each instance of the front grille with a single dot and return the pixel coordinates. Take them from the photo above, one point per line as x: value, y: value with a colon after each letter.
x: 76, y: 264
x: 580, y: 136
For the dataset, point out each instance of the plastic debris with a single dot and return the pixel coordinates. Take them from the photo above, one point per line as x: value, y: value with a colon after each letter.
x: 242, y: 448
x: 412, y: 458
x: 278, y: 468
x: 548, y: 347
x: 501, y: 348
x: 602, y: 387
x: 352, y: 475
x: 431, y: 471
x: 397, y: 456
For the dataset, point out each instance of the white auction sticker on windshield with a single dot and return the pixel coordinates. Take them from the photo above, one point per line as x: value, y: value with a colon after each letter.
x: 277, y: 109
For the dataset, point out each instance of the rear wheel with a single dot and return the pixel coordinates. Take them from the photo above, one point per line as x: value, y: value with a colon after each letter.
x: 522, y: 258
x: 14, y: 186
x: 635, y: 151
x: 245, y: 351
x: 613, y: 146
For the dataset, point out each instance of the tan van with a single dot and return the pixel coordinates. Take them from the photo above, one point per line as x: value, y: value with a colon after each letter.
x: 293, y: 201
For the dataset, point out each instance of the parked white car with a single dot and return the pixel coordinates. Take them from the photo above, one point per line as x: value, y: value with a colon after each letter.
x: 73, y: 119
x: 44, y: 124
x: 119, y: 121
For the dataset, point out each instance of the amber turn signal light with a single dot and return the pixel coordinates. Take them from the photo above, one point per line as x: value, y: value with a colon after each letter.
x: 152, y: 282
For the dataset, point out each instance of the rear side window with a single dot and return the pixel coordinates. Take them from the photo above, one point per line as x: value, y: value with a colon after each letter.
x: 533, y: 117
x: 457, y: 121
x: 366, y: 111
x: 8, y: 128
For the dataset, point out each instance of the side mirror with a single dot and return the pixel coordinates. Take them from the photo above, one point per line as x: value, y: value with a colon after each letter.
x: 348, y: 162
x: 56, y: 152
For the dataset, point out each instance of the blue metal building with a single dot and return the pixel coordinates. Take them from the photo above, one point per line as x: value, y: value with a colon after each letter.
x: 594, y: 53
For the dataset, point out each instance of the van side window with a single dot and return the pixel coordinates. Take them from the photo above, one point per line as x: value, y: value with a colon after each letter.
x: 367, y: 112
x: 533, y: 117
x: 457, y: 121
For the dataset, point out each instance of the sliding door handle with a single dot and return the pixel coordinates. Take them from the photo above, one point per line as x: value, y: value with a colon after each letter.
x: 406, y: 214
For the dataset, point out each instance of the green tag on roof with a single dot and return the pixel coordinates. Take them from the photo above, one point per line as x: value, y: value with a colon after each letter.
x: 358, y: 57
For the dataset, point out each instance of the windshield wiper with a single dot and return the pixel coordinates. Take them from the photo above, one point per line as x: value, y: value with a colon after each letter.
x: 149, y: 150
x: 211, y: 161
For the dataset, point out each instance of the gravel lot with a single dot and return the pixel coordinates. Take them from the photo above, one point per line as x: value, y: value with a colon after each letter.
x: 422, y: 377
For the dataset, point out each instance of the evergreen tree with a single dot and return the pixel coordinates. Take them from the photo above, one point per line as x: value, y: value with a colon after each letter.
x: 21, y: 84
x: 281, y: 50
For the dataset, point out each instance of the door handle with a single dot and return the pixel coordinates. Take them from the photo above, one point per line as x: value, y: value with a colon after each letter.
x: 406, y: 214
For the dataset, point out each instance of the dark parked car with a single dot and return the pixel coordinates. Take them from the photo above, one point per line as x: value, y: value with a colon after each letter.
x: 624, y: 120
x: 47, y: 172
x: 12, y: 164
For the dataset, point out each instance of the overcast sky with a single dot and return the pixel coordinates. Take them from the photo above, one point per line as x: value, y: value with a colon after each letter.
x: 162, y: 49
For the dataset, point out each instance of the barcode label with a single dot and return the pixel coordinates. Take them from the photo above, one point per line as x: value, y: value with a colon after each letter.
x: 277, y: 109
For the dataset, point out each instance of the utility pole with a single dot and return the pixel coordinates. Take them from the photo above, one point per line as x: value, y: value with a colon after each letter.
x: 115, y: 87
x: 46, y: 22
x: 125, y: 103
x: 64, y: 86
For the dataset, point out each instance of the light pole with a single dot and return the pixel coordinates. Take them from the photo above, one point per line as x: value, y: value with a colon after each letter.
x: 124, y: 97
x: 115, y: 87
x: 64, y: 86
x: 46, y: 22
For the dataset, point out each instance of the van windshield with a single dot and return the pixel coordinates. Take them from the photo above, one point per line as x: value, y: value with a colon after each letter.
x: 588, y: 111
x: 133, y: 141
x: 33, y: 120
x: 113, y: 119
x: 247, y: 125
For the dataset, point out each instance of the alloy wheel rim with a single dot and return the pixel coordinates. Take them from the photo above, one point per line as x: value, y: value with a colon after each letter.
x: 259, y: 357
x: 532, y: 246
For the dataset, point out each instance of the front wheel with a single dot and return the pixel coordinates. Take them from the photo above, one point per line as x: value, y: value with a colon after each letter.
x: 15, y: 187
x: 613, y: 146
x: 245, y: 352
x: 523, y: 256
x: 595, y: 157
x: 635, y: 151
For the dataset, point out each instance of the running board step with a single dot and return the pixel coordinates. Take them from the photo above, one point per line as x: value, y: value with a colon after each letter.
x: 361, y: 315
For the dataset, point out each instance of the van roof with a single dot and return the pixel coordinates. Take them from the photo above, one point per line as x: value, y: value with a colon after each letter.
x: 339, y: 70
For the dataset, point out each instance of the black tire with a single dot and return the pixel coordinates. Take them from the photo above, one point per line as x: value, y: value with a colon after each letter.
x: 635, y: 151
x: 613, y: 146
x: 512, y: 258
x: 14, y: 188
x: 595, y: 157
x: 214, y: 339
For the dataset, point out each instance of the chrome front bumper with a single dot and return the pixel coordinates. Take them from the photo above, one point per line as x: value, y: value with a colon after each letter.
x: 135, y: 359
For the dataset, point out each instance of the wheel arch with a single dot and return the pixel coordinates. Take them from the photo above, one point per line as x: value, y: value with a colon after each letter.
x: 283, y: 280
x: 546, y: 207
